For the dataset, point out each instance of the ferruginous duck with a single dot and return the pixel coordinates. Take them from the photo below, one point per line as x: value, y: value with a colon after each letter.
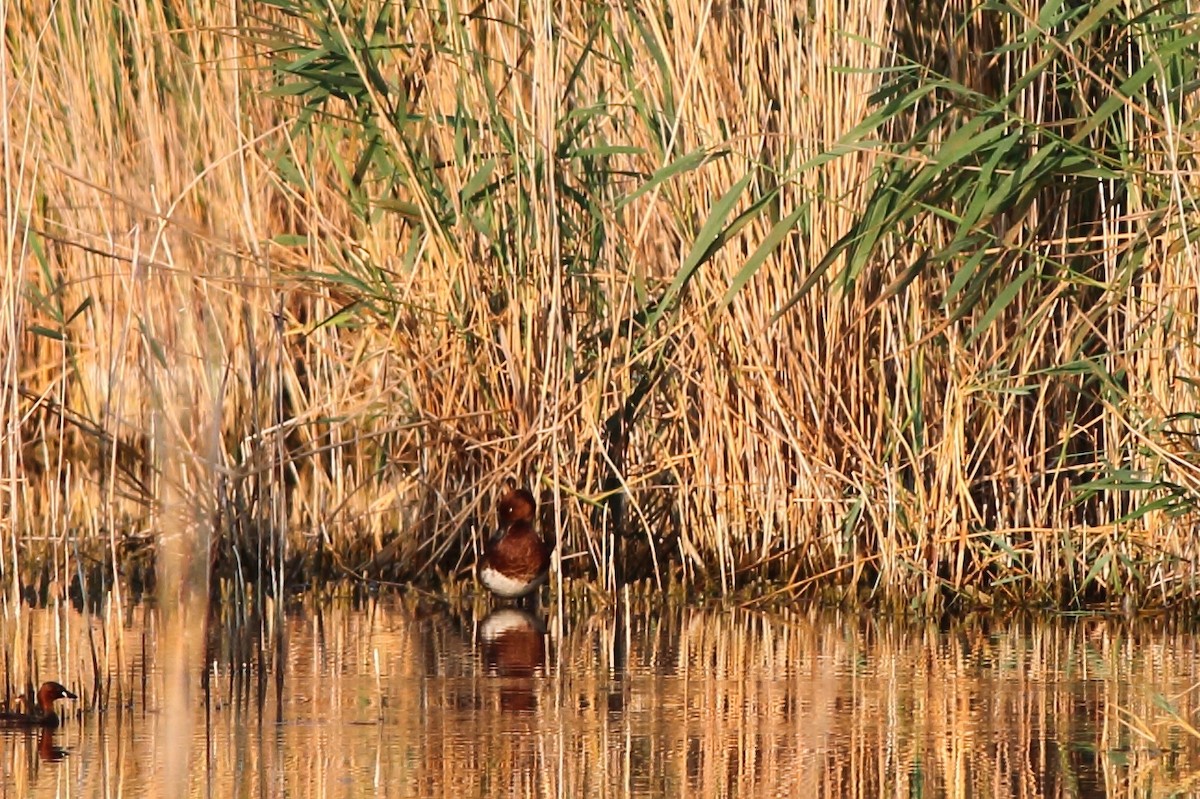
x: 516, y: 559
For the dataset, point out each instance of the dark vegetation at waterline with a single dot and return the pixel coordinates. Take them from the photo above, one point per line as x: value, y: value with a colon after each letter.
x: 896, y: 305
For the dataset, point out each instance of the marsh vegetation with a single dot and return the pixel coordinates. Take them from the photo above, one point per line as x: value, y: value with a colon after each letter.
x: 881, y: 302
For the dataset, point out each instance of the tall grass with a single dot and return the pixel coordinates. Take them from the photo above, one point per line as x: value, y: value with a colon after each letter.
x: 881, y: 303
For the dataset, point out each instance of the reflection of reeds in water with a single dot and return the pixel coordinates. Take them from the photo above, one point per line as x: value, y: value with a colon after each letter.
x: 86, y: 652
x: 674, y: 703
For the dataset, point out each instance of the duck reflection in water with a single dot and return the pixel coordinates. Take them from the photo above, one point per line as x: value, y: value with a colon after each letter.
x: 514, y: 649
x: 49, y: 751
x: 22, y: 739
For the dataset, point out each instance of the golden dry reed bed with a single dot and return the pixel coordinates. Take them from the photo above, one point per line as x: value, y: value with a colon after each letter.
x: 697, y: 703
x: 858, y: 301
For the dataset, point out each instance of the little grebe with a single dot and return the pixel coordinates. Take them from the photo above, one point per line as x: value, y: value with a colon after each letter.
x: 516, y: 559
x: 42, y: 714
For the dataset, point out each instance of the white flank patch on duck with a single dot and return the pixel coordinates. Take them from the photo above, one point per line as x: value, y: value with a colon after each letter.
x: 507, y: 587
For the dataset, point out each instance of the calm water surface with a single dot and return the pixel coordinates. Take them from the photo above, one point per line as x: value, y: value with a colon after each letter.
x: 385, y: 700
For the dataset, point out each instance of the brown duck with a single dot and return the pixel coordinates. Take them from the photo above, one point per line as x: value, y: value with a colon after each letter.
x: 516, y: 559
